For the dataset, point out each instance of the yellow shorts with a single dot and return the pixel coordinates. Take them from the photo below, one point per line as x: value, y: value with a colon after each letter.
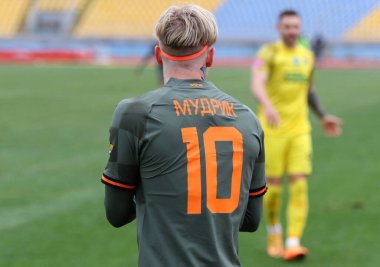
x: 288, y: 154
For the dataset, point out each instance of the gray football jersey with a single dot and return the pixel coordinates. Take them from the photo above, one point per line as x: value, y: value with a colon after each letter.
x: 194, y: 155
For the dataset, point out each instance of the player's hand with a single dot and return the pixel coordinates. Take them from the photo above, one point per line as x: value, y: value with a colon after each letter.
x: 332, y: 125
x: 272, y: 116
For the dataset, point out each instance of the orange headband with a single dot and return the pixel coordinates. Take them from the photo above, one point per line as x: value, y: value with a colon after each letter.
x: 184, y: 58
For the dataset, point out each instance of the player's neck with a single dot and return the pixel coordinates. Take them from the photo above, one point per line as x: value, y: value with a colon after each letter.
x: 182, y: 74
x: 289, y: 45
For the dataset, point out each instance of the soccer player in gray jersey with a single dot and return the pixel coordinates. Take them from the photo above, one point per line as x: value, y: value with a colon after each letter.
x: 187, y: 159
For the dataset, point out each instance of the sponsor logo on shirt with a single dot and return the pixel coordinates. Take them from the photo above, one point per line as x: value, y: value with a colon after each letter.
x: 295, y: 77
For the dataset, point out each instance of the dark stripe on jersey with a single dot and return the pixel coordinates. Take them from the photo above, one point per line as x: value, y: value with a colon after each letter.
x: 134, y: 117
x: 128, y: 172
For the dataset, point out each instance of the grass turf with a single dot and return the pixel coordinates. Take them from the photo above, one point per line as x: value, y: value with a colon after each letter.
x: 53, y: 147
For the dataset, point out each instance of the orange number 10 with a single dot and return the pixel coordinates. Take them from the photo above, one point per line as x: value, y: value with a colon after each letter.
x: 210, y: 137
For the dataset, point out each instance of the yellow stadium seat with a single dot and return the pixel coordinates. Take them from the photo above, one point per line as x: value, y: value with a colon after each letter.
x: 11, y: 16
x: 58, y: 5
x: 126, y: 18
x: 367, y: 30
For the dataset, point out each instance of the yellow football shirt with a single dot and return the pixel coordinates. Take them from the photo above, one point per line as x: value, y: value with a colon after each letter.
x: 290, y: 71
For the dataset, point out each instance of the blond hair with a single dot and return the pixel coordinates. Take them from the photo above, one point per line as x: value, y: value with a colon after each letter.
x: 183, y: 30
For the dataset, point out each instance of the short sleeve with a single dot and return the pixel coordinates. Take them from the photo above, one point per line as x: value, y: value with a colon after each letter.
x: 122, y: 169
x: 263, y: 59
x: 258, y: 184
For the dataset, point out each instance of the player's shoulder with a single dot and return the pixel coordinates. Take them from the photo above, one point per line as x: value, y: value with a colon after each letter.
x: 269, y: 48
x: 253, y: 118
x: 131, y: 106
x: 222, y: 94
x: 305, y: 50
x: 244, y: 112
x: 141, y: 104
x: 268, y: 51
x: 131, y: 114
x: 271, y: 45
x: 250, y: 124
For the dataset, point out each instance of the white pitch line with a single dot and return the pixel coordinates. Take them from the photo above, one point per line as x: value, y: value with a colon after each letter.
x: 15, y: 217
x: 82, y: 66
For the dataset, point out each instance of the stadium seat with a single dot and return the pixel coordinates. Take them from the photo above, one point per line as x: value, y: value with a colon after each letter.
x: 120, y: 19
x: 332, y: 19
x: 58, y: 5
x: 238, y: 20
x: 11, y: 16
x: 367, y: 29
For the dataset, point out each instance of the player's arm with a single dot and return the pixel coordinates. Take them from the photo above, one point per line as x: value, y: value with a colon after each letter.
x: 257, y: 190
x: 331, y: 124
x: 314, y: 103
x: 260, y: 71
x: 121, y: 174
x: 120, y: 206
x: 252, y: 215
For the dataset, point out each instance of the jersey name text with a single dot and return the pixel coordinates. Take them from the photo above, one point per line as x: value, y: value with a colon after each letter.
x: 203, y: 106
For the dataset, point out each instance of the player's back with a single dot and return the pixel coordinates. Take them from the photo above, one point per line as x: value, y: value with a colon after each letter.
x: 197, y: 149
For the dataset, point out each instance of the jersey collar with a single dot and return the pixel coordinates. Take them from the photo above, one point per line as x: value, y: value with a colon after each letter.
x: 191, y: 83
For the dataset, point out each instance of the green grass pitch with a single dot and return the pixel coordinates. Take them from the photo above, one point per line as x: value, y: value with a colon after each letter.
x: 54, y: 144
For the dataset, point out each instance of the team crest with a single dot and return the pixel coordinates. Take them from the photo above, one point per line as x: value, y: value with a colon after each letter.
x: 296, y: 61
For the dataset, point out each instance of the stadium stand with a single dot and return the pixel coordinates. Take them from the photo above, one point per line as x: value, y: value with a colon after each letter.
x: 124, y: 19
x: 12, y: 14
x: 124, y: 28
x: 367, y: 30
x: 257, y: 21
x: 337, y: 21
x: 58, y: 5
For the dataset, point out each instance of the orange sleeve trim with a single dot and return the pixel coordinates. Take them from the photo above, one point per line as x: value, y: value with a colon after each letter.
x: 259, y: 193
x: 108, y: 181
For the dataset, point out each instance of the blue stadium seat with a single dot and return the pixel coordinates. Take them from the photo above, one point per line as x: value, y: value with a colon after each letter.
x: 242, y: 19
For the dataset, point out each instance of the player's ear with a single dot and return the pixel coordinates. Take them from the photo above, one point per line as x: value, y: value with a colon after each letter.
x: 210, y: 57
x: 157, y: 53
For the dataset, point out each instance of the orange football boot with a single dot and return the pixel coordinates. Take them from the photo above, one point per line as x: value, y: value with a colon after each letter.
x: 295, y: 253
x: 275, y: 246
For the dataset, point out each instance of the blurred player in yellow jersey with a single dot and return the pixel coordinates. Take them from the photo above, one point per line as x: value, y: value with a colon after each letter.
x: 282, y: 83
